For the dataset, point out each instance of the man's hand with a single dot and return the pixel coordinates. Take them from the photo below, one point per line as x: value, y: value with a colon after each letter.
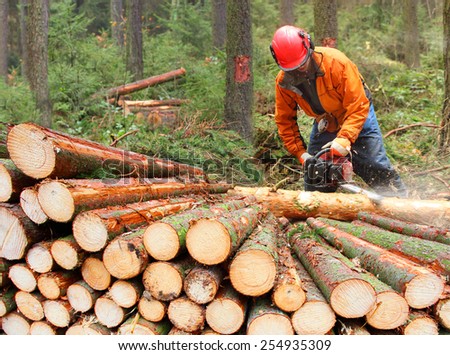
x: 304, y: 157
x: 339, y: 147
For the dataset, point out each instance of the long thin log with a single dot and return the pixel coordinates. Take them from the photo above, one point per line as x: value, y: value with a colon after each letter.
x: 76, y: 199
x: 54, y: 284
x: 108, y: 312
x: 254, y: 266
x: 211, y: 241
x: 43, y: 153
x: 153, y: 103
x: 304, y: 204
x: 166, y: 239
x: 81, y: 296
x: 126, y: 293
x: 186, y: 314
x: 420, y: 287
x: 95, y: 273
x: 30, y: 205
x: 348, y: 293
x: 136, y: 325
x: 440, y: 235
x: 144, y: 83
x: 94, y: 229
x: 23, y: 277
x: 151, y: 308
x: 435, y: 255
x: 67, y: 253
x: 264, y: 319
x: 227, y: 312
x: 59, y: 312
x: 12, y: 181
x: 39, y: 257
x: 202, y: 283
x: 30, y: 305
x: 15, y: 324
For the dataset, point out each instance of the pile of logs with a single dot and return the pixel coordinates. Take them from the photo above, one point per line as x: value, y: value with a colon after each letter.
x: 164, y: 251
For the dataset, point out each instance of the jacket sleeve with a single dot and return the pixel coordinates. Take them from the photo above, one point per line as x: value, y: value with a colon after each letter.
x: 286, y: 120
x: 354, y: 100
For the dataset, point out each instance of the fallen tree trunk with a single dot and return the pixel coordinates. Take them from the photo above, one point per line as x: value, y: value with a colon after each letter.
x: 420, y: 287
x: 435, y: 255
x: 144, y: 83
x: 43, y: 153
x: 304, y: 204
x: 253, y: 269
x: 348, y: 293
x: 55, y: 194
x: 12, y: 181
x: 434, y: 234
x: 264, y: 319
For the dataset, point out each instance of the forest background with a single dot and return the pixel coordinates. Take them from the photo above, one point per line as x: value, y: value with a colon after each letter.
x: 398, y: 46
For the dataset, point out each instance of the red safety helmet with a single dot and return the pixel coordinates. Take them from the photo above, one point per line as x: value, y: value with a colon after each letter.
x: 291, y: 47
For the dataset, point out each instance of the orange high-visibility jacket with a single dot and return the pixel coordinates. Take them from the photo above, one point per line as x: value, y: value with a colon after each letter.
x: 340, y: 89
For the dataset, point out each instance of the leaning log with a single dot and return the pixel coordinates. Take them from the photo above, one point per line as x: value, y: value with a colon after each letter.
x: 12, y: 181
x: 265, y: 319
x: 94, y: 229
x: 304, y: 204
x: 211, y: 241
x: 254, y: 266
x: 420, y: 287
x: 425, y: 252
x: 435, y: 234
x: 62, y: 201
x: 43, y: 153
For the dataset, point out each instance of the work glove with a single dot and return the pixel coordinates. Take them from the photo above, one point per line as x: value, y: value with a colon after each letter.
x: 339, y: 147
x: 304, y: 157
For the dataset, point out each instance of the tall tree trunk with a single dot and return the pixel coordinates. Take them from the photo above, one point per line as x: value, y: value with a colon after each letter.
x: 37, y: 44
x: 239, y: 82
x: 326, y: 23
x: 444, y: 139
x: 23, y: 39
x: 219, y: 23
x: 411, y: 44
x: 287, y: 15
x: 135, y: 60
x: 117, y: 24
x: 4, y: 9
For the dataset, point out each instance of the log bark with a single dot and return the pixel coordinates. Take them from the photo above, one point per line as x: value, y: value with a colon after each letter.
x: 304, y: 204
x: 54, y: 284
x: 150, y: 308
x: 166, y: 239
x: 39, y: 257
x: 126, y: 293
x: 23, y: 277
x: 211, y: 241
x: 8, y: 300
x: 94, y: 229
x: 136, y: 325
x: 253, y: 269
x: 434, y: 234
x: 67, y: 253
x: 186, y: 314
x: 202, y: 283
x: 288, y: 293
x: 108, y: 312
x: 59, y: 312
x: 81, y: 296
x: 30, y: 205
x: 348, y: 293
x: 315, y: 316
x: 76, y: 199
x: 435, y: 255
x: 95, y: 273
x: 420, y: 287
x: 164, y: 279
x: 227, y: 312
x: 88, y: 325
x: 144, y: 83
x: 43, y: 153
x: 12, y: 181
x: 4, y: 270
x: 15, y: 324
x: 129, y: 104
x: 30, y: 305
x: 264, y: 319
x: 420, y: 323
x: 441, y: 310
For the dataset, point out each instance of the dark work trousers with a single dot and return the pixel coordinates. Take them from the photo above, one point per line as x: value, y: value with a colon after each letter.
x: 368, y: 157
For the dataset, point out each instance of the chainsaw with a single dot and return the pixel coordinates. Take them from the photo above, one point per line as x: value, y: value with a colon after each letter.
x: 325, y: 172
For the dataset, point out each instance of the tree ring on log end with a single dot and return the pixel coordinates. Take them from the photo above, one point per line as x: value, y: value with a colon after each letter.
x: 108, y: 312
x: 30, y: 205
x: 289, y: 297
x: 313, y: 318
x: 161, y: 241
x: 95, y: 274
x: 390, y: 312
x: 424, y: 290
x: 79, y: 298
x: 56, y: 313
x: 29, y: 306
x: 270, y: 324
x: 224, y: 316
x: 6, y: 188
x: 13, y: 239
x: 31, y: 151
x: 353, y: 298
x: 90, y: 232
x: 22, y: 277
x: 163, y: 281
x: 123, y: 260
x: 48, y: 287
x: 64, y: 254
x: 56, y: 201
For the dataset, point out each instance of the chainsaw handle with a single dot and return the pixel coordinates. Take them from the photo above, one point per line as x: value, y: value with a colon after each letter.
x: 321, y: 152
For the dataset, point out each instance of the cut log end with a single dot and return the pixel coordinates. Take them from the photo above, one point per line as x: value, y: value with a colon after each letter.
x: 224, y: 316
x: 443, y: 312
x: 289, y: 297
x: 29, y: 306
x: 15, y: 324
x: 56, y: 201
x: 22, y: 277
x: 64, y: 254
x: 13, y: 239
x: 422, y: 326
x: 79, y: 298
x: 253, y: 272
x: 57, y: 314
x: 124, y: 294
x: 30, y: 205
x: 424, y: 290
x: 3, y: 309
x: 49, y: 287
x: 31, y: 151
x: 151, y: 309
x: 95, y: 274
x: 108, y: 312
x: 163, y: 281
x: 186, y: 315
x: 90, y: 232
x: 6, y: 186
x: 390, y: 312
x: 353, y: 298
x: 39, y: 258
x: 42, y: 328
x: 208, y: 241
x: 161, y: 241
x: 123, y: 260
x: 313, y: 318
x: 270, y: 324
